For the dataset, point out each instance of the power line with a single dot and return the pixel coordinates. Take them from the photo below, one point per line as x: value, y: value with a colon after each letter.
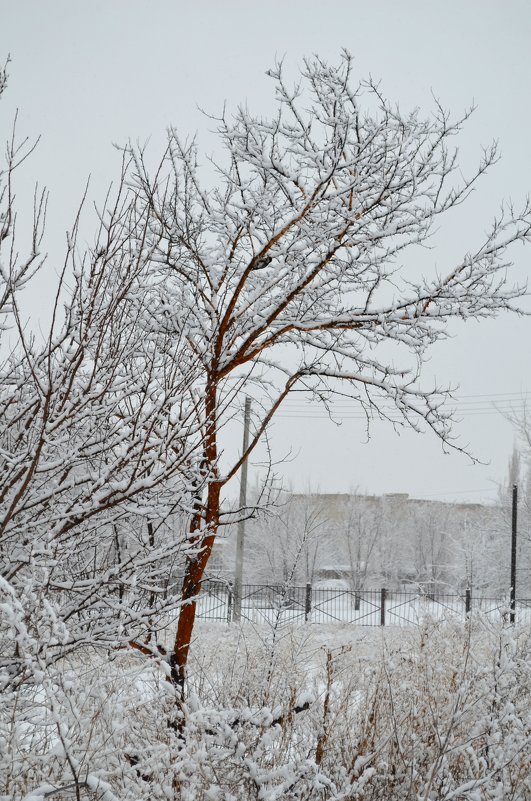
x: 455, y: 403
x: 386, y: 415
x: 481, y: 404
x: 522, y: 395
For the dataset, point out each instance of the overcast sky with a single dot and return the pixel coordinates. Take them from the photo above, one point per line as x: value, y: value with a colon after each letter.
x: 85, y: 75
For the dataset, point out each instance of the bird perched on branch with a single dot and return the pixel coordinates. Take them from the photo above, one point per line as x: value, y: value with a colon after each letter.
x: 261, y: 263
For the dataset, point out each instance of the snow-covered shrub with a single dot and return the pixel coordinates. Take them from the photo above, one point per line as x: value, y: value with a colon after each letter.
x: 439, y: 712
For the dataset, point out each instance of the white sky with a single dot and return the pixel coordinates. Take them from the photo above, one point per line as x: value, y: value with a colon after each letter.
x: 86, y: 75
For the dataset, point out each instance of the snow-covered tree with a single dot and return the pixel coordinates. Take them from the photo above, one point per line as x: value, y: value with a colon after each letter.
x: 281, y: 278
x: 289, y: 542
x: 97, y: 440
x: 519, y: 474
x: 292, y: 266
x: 98, y: 456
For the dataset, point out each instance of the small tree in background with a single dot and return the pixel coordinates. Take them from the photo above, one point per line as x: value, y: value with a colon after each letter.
x: 291, y: 541
x: 288, y: 267
x: 519, y: 473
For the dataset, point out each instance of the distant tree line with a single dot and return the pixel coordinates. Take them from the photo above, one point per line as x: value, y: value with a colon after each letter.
x: 366, y: 542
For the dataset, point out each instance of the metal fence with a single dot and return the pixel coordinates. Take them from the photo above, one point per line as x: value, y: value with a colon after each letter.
x: 278, y: 604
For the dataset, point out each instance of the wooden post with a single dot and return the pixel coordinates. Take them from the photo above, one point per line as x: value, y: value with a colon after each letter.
x: 512, y: 614
x: 383, y: 596
x: 229, y: 603
x: 468, y: 601
x: 238, y: 574
x: 308, y: 602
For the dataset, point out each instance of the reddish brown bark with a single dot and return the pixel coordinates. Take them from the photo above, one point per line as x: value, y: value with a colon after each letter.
x: 203, y: 530
x: 191, y: 587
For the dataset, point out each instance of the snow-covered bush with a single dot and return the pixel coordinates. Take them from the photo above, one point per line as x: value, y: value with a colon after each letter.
x: 439, y: 712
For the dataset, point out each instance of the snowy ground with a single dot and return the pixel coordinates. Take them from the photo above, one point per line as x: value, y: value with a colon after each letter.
x: 331, y: 712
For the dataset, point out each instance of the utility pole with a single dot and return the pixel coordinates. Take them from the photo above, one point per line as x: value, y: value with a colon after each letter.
x: 241, y: 523
x: 512, y: 614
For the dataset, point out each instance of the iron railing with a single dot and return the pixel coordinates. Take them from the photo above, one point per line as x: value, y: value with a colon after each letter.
x: 281, y: 603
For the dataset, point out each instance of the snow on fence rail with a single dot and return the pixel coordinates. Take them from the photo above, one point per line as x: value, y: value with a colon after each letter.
x: 277, y: 603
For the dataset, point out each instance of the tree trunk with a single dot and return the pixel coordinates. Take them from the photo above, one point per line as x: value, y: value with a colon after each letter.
x: 203, y: 530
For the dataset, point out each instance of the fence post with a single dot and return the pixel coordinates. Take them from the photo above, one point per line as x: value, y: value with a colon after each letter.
x: 229, y: 603
x: 512, y: 615
x: 308, y: 602
x: 383, y: 596
x: 468, y: 601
